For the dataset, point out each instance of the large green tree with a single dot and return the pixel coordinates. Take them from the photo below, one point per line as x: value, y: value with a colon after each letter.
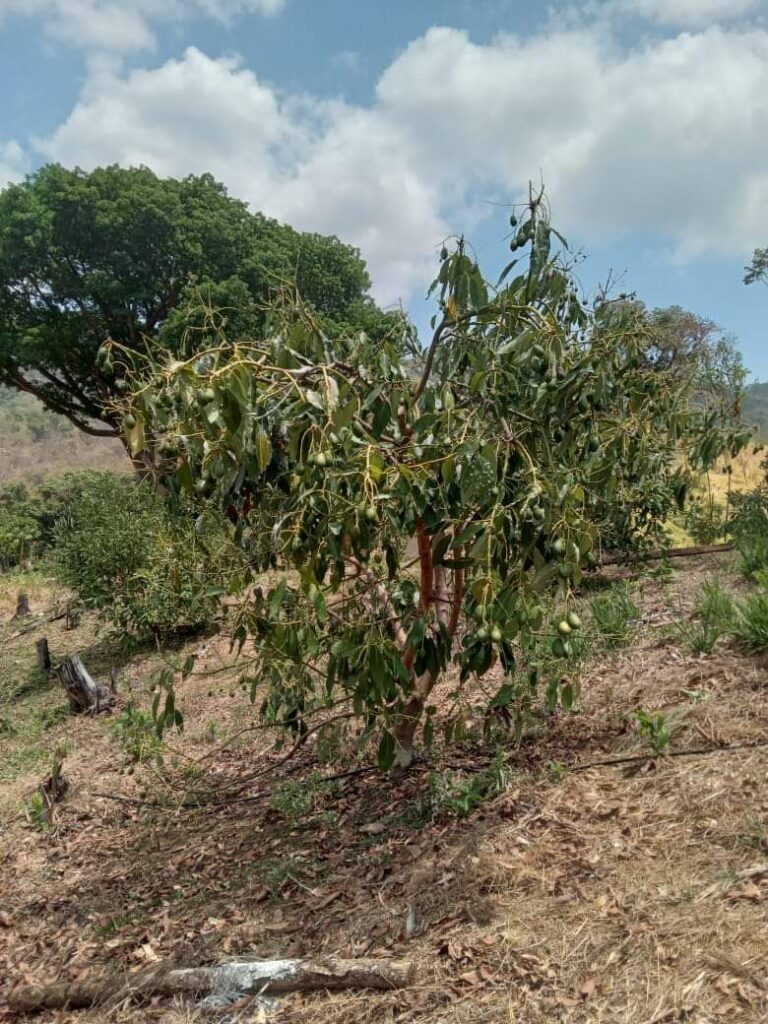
x: 116, y: 252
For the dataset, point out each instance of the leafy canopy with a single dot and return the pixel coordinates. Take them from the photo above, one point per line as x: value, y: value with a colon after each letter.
x: 422, y: 505
x: 116, y: 253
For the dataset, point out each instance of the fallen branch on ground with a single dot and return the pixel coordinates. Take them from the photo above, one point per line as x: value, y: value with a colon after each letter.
x: 270, y: 977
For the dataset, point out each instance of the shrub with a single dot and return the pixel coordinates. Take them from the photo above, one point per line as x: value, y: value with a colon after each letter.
x: 705, y: 521
x: 749, y: 529
x: 143, y: 566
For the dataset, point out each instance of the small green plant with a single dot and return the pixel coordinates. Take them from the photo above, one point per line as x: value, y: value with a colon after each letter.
x: 751, y: 628
x: 614, y: 615
x: 456, y: 797
x: 715, y: 605
x: 697, y: 696
x: 136, y: 731
x: 755, y: 835
x: 714, y: 615
x: 654, y: 728
x: 51, y: 717
x: 499, y: 774
x: 556, y: 772
x: 295, y: 799
x: 7, y: 728
x: 36, y: 811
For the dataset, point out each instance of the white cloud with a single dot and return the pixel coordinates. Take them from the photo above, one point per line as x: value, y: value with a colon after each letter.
x: 123, y: 25
x: 691, y: 13
x: 671, y: 138
x: 347, y: 60
x: 13, y: 162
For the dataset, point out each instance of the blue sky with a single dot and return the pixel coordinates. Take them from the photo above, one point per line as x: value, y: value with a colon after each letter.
x: 392, y: 124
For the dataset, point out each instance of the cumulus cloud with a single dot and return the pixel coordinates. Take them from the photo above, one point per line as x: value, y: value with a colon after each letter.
x: 123, y: 25
x: 670, y: 138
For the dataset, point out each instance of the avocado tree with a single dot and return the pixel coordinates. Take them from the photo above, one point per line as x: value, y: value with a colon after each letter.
x: 116, y: 253
x: 421, y: 504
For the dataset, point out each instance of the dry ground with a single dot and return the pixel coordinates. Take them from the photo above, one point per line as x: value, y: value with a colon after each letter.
x: 632, y: 893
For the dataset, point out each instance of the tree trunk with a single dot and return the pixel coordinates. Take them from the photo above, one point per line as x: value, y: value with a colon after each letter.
x: 22, y: 606
x: 85, y: 696
x: 407, y: 723
x: 233, y: 980
x: 43, y: 655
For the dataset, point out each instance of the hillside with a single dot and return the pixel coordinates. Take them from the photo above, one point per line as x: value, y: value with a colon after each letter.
x: 35, y: 443
x: 600, y: 881
x: 756, y: 407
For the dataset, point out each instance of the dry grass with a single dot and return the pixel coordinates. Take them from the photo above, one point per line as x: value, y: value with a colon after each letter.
x: 607, y: 894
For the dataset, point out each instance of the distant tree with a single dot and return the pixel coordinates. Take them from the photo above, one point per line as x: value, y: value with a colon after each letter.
x: 115, y: 252
x: 758, y: 268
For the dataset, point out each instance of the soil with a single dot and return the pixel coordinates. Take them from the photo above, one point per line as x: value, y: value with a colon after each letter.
x: 580, y: 892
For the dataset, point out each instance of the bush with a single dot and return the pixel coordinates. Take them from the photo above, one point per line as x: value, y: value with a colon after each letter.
x: 28, y: 516
x: 749, y: 529
x: 142, y: 565
x: 705, y: 521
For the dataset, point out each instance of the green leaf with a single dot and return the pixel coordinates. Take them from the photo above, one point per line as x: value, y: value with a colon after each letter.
x: 263, y: 450
x: 386, y: 752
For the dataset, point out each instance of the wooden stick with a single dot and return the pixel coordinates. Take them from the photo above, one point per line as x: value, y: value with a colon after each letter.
x: 231, y: 980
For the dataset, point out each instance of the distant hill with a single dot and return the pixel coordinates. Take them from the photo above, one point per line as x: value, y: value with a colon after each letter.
x: 755, y: 410
x: 36, y: 443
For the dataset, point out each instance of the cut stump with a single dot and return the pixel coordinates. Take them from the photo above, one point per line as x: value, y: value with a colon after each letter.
x: 43, y: 655
x: 86, y: 697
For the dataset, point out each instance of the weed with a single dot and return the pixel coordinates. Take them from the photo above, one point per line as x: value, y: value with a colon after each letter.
x: 49, y: 718
x: 653, y: 727
x: 556, y: 772
x: 697, y: 696
x: 755, y: 835
x: 7, y: 728
x: 295, y: 799
x: 753, y: 552
x: 136, y: 732
x: 614, y: 615
x: 751, y: 628
x: 715, y: 605
x: 499, y: 774
x: 36, y: 811
x: 714, y: 616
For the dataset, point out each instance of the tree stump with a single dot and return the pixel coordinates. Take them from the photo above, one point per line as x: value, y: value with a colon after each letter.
x: 22, y: 606
x: 43, y: 655
x: 86, y: 697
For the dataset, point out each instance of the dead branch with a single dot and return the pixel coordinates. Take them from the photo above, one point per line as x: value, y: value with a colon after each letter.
x: 231, y: 980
